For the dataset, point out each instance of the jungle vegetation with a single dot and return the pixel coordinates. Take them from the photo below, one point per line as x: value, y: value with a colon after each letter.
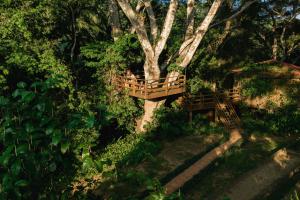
x: 66, y: 132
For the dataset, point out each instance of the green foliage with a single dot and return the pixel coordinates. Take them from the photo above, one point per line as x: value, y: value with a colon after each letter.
x: 126, y: 52
x: 129, y: 150
x: 173, y: 122
x: 109, y: 59
x: 256, y: 86
x: 58, y: 65
x: 294, y: 196
x: 38, y: 136
x: 125, y: 113
x: 280, y: 122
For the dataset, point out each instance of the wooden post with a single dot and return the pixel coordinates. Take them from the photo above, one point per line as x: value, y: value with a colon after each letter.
x: 216, y: 115
x: 167, y: 86
x: 134, y: 89
x: 190, y: 116
x: 184, y: 82
x: 145, y: 88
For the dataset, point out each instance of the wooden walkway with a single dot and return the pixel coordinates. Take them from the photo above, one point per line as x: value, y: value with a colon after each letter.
x: 205, y: 101
x: 152, y: 89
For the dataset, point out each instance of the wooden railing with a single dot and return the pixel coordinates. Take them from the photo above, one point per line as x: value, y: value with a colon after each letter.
x: 231, y: 94
x: 151, y: 89
x: 200, y: 102
x: 207, y: 100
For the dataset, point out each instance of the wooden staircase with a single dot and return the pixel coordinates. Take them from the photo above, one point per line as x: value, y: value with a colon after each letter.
x: 225, y: 113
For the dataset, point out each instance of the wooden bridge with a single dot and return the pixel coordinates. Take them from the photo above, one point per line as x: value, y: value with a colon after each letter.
x: 152, y: 89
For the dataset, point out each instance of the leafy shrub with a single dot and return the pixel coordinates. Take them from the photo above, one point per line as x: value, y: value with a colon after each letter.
x: 283, y: 120
x: 37, y: 131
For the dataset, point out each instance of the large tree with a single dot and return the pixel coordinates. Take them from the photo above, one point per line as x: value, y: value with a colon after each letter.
x: 154, y: 44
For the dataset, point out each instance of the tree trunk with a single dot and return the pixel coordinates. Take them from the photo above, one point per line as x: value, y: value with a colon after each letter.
x: 149, y: 108
x: 153, y: 50
x: 152, y: 73
x: 274, y: 49
x: 114, y: 20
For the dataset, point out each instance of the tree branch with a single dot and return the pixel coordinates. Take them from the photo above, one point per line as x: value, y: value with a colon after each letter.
x: 139, y: 28
x: 166, y: 28
x: 190, y: 19
x: 243, y: 8
x: 200, y: 32
x: 152, y: 19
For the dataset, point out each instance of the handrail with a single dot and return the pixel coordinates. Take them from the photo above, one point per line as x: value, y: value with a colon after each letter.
x: 229, y: 118
x: 143, y: 79
x: 146, y: 89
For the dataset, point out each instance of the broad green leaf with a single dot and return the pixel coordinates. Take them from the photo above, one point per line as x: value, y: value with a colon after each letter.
x: 90, y: 121
x: 3, y: 101
x: 16, y: 168
x: 64, y: 147
x: 49, y: 130
x: 6, y: 155
x: 56, y: 138
x: 27, y: 96
x: 21, y: 183
x: 23, y: 148
x: 21, y: 85
x: 29, y: 128
x: 7, y: 181
x: 17, y: 92
x: 87, y: 163
x: 41, y: 107
x: 52, y: 167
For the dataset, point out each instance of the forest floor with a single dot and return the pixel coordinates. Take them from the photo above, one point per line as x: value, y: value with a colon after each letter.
x: 174, y: 156
x: 233, y: 175
x: 261, y: 182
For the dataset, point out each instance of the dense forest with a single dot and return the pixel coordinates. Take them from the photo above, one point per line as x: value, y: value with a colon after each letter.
x: 149, y: 99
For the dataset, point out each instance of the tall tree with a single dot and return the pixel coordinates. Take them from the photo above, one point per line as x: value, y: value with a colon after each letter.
x: 154, y: 48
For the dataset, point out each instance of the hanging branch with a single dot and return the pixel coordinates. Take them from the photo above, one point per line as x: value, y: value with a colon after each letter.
x: 242, y: 9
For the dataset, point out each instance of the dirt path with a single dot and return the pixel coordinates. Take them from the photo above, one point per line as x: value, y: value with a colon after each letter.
x: 175, y: 153
x: 171, y: 160
x: 261, y: 180
x: 178, y: 181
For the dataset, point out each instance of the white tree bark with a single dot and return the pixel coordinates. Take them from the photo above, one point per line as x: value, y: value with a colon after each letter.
x: 190, y: 45
x: 152, y: 19
x: 200, y: 32
x: 139, y: 28
x: 190, y: 19
x: 166, y: 28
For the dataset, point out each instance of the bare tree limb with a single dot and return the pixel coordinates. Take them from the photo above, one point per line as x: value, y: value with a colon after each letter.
x: 139, y: 27
x: 166, y: 28
x: 242, y: 9
x: 138, y: 9
x: 200, y: 32
x: 190, y: 19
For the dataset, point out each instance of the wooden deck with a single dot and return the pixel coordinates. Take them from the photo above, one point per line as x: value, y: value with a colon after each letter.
x: 152, y: 89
